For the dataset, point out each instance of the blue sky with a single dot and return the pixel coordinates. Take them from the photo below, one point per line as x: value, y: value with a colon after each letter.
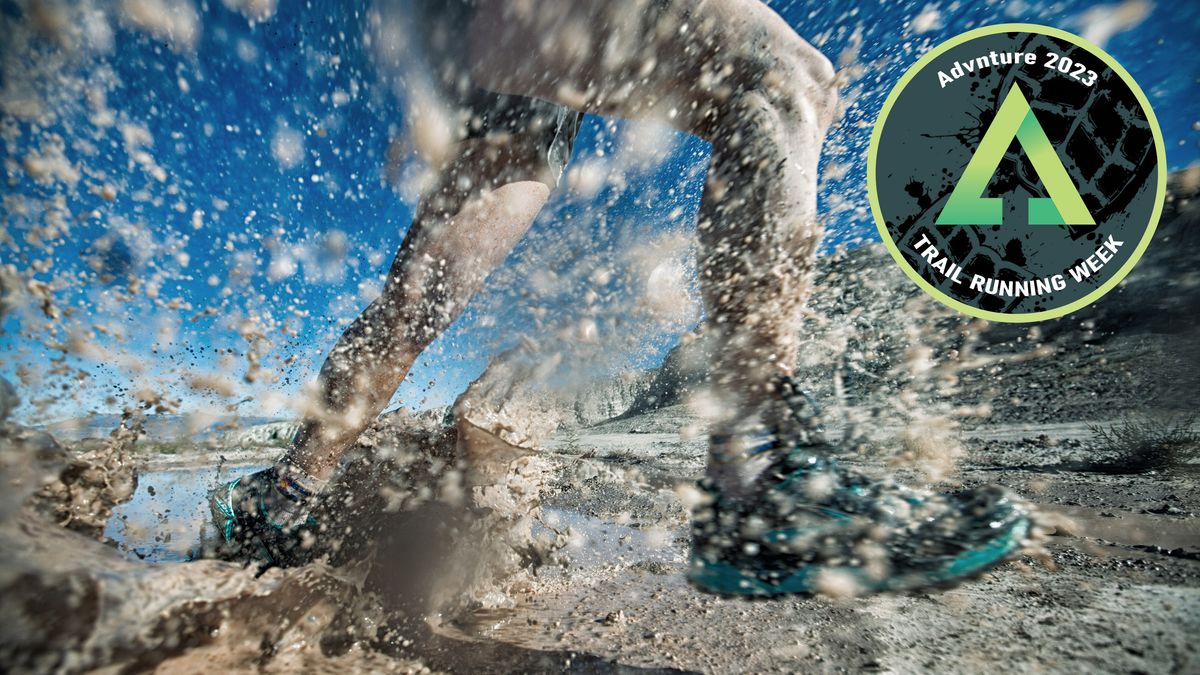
x: 295, y: 248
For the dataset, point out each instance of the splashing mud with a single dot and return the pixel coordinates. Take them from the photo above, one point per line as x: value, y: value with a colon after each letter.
x: 407, y: 548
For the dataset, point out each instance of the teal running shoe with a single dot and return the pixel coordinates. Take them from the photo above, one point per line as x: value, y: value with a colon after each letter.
x: 813, y: 526
x: 264, y: 517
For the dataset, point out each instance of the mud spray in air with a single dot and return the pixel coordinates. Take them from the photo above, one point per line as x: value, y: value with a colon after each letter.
x: 200, y: 197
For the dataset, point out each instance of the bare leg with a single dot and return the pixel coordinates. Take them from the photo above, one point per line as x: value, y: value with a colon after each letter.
x: 483, y: 203
x: 735, y: 74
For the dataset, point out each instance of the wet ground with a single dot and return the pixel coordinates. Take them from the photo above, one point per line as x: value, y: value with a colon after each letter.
x: 1116, y: 588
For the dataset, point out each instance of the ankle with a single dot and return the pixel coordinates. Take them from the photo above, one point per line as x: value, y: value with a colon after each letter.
x: 736, y: 460
x: 295, y: 483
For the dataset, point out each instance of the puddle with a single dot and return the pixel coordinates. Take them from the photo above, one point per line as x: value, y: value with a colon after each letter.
x: 162, y: 523
x: 595, y: 542
x: 1132, y: 529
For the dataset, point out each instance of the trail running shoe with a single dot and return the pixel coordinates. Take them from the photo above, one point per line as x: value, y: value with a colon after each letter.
x: 263, y: 517
x: 813, y: 526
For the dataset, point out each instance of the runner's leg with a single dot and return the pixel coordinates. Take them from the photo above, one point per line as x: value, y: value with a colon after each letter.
x: 480, y: 207
x: 735, y: 74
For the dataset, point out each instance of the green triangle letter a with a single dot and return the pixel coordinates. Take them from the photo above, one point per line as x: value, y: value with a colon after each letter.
x: 968, y: 206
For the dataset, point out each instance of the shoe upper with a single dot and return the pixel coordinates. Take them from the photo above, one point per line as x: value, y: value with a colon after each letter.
x: 260, y: 517
x: 812, y: 514
x: 808, y: 514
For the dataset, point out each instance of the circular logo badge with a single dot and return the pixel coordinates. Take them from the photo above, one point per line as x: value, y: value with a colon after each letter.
x: 1017, y: 173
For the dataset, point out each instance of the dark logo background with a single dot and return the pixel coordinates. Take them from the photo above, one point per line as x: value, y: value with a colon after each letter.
x: 1102, y: 134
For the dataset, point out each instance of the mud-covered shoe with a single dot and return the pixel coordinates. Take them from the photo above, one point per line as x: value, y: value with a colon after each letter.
x: 264, y: 517
x: 817, y: 527
x: 810, y: 525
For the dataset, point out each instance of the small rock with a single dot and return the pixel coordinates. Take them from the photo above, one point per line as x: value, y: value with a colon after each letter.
x: 616, y: 618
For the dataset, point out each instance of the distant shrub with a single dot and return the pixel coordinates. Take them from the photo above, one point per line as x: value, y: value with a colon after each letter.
x: 1148, y: 443
x: 570, y: 441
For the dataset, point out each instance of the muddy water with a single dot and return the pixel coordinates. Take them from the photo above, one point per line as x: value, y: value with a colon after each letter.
x: 167, y: 519
x: 163, y: 523
x: 71, y: 603
x: 1133, y: 529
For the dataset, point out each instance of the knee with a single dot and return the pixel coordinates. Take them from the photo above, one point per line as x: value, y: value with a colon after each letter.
x: 797, y: 82
x: 786, y: 94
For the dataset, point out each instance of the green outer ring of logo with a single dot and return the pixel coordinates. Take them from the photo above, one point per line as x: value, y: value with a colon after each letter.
x: 881, y: 223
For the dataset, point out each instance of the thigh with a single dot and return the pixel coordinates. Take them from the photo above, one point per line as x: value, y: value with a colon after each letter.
x: 674, y: 60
